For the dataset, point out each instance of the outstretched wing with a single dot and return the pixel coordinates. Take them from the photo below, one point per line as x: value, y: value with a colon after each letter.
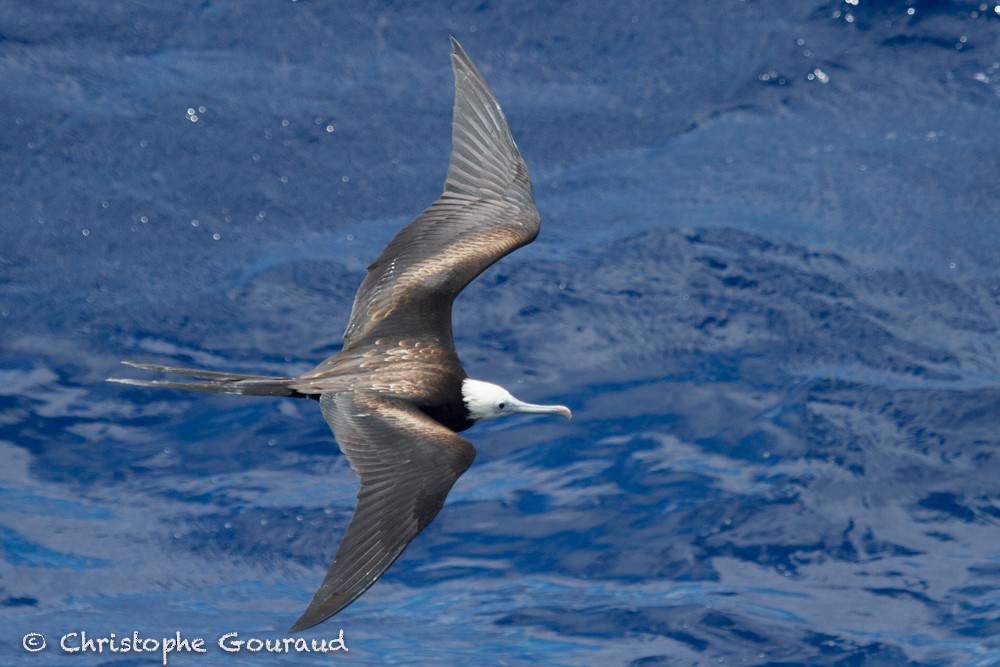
x: 407, y: 463
x: 485, y: 212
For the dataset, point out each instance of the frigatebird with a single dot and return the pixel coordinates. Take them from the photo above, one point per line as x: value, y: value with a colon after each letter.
x: 396, y: 394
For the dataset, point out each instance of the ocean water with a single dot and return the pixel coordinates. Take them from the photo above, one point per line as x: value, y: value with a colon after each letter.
x: 767, y: 284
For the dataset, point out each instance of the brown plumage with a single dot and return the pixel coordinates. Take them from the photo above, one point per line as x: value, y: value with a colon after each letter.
x: 396, y: 394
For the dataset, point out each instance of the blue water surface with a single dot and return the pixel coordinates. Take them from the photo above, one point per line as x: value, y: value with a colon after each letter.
x: 767, y: 284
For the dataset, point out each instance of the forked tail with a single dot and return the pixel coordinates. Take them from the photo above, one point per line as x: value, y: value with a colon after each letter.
x: 215, y: 382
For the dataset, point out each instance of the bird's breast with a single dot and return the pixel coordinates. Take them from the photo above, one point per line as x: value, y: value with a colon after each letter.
x: 451, y: 414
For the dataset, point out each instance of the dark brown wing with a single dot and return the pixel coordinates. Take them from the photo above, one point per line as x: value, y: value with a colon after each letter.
x: 486, y: 212
x: 407, y: 463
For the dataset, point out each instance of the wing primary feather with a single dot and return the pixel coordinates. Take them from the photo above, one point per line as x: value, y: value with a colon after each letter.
x: 487, y: 198
x: 395, y: 443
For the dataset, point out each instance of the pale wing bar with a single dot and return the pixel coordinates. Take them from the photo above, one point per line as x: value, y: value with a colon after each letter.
x: 416, y: 300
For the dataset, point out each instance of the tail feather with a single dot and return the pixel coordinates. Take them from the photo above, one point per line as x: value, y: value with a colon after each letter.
x: 215, y: 382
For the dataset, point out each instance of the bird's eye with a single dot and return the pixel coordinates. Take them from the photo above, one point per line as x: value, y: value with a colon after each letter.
x: 501, y: 405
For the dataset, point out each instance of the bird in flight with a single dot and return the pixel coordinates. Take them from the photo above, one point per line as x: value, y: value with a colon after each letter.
x: 396, y: 395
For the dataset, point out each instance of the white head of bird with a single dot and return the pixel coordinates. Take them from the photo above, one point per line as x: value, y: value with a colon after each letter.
x: 485, y: 400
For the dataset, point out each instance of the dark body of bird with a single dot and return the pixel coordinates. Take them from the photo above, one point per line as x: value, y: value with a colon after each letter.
x: 396, y: 394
